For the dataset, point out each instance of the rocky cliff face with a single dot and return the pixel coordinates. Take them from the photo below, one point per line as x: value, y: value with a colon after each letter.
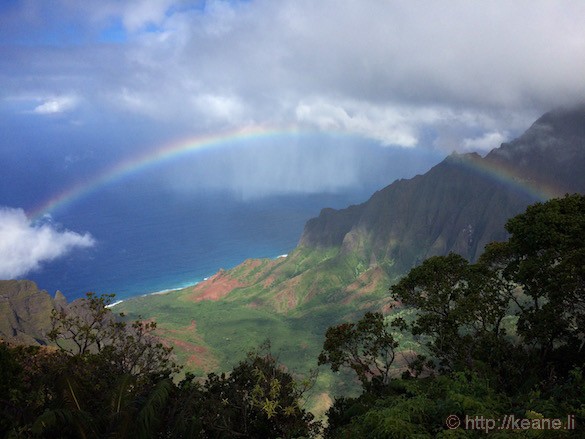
x: 25, y: 311
x: 461, y: 204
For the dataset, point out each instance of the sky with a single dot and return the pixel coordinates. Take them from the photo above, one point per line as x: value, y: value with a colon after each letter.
x: 84, y: 85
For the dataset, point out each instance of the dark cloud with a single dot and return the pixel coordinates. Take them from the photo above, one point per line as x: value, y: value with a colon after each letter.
x: 471, y: 73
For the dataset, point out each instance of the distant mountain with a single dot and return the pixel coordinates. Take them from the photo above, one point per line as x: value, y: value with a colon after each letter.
x: 461, y: 204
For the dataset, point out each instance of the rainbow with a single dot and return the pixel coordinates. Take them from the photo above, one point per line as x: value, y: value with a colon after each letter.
x: 152, y: 158
x: 507, y: 175
x: 174, y: 150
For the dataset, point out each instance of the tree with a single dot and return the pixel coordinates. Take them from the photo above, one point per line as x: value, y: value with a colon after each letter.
x: 538, y: 275
x: 367, y: 347
x: 257, y: 399
x: 123, y: 408
x: 460, y: 309
x: 507, y: 332
x: 546, y: 253
x: 106, y: 378
x: 88, y: 326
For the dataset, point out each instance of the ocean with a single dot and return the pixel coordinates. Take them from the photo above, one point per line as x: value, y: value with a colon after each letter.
x: 172, y: 224
x: 149, y: 240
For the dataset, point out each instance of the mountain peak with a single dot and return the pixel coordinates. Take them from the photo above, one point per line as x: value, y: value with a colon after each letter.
x: 461, y: 204
x: 551, y: 153
x: 560, y: 132
x: 564, y: 120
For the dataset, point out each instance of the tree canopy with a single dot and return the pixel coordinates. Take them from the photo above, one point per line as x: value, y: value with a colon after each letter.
x: 504, y: 335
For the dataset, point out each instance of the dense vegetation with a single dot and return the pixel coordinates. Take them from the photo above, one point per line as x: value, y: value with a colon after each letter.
x: 502, y: 339
x: 108, y: 378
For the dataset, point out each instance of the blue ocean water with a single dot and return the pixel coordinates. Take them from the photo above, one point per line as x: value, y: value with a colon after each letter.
x: 150, y: 240
x: 177, y: 222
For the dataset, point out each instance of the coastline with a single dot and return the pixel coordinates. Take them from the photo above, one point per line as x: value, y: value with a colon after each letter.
x: 155, y: 293
x: 170, y: 290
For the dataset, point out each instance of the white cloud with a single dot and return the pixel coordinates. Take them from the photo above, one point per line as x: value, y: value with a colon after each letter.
x: 486, y: 142
x: 24, y: 247
x: 356, y: 67
x: 220, y: 107
x: 138, y: 13
x: 56, y: 105
x: 389, y: 125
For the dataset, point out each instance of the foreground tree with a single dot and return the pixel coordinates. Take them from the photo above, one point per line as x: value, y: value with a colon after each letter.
x: 367, y: 347
x: 546, y: 253
x: 88, y: 326
x: 47, y: 392
x: 505, y: 335
x: 461, y: 309
x: 257, y: 399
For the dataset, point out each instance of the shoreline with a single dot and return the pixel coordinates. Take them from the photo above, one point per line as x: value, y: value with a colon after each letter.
x: 182, y: 287
x: 156, y: 293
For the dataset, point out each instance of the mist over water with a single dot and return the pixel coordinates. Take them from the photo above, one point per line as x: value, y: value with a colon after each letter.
x: 172, y: 225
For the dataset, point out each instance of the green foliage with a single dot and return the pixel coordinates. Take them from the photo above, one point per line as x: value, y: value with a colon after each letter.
x: 89, y: 326
x: 491, y: 362
x: 420, y: 408
x: 461, y: 308
x: 413, y: 408
x: 257, y: 399
x: 367, y: 347
x: 539, y: 275
x: 50, y: 393
x: 546, y: 253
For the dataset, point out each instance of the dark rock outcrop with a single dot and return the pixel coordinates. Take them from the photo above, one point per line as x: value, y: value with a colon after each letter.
x: 25, y: 312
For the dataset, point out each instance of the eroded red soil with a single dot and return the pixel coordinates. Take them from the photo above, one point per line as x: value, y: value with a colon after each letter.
x: 216, y: 287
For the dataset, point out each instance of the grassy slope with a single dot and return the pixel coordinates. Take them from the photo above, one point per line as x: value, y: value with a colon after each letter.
x: 290, y: 301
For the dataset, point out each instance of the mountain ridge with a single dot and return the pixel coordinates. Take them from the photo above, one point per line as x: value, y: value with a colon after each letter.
x: 353, y: 255
x: 462, y: 210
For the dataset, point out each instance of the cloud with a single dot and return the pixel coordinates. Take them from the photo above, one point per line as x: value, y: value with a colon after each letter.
x: 387, y: 125
x: 220, y: 107
x: 56, y: 105
x: 24, y: 246
x: 389, y: 71
x: 486, y: 142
